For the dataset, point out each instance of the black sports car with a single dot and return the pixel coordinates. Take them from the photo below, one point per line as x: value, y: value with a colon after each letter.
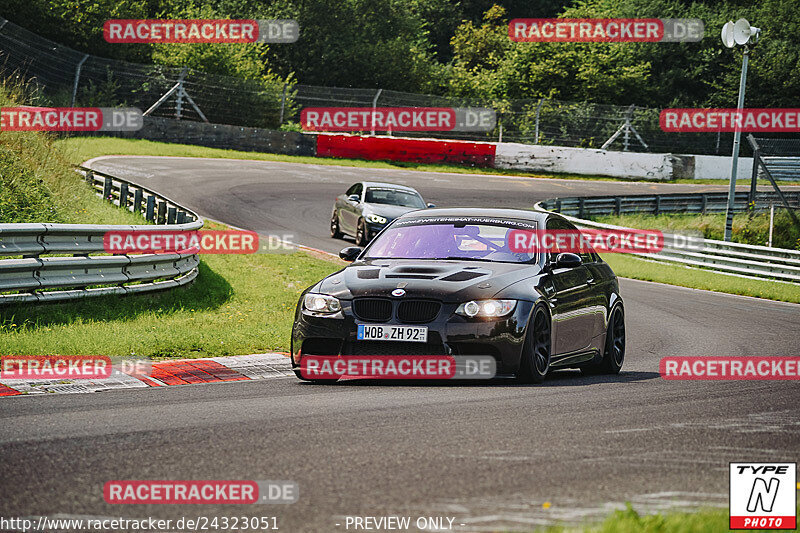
x: 367, y: 207
x: 453, y: 274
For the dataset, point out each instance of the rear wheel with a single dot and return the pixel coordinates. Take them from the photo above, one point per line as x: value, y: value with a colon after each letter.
x: 336, y: 233
x: 614, y: 354
x: 361, y: 233
x: 535, y: 361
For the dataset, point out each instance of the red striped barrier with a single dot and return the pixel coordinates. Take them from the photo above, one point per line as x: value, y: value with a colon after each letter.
x: 402, y: 149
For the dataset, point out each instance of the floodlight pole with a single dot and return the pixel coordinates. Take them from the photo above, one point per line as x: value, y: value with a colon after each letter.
x: 737, y: 137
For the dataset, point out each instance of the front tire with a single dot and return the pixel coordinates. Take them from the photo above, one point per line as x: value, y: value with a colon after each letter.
x: 336, y: 233
x: 535, y: 361
x: 361, y: 233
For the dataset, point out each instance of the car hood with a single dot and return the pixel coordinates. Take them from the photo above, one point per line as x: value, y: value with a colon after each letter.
x: 388, y: 211
x: 448, y: 281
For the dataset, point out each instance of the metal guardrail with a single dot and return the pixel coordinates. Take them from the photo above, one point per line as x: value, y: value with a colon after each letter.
x: 72, y: 272
x: 726, y: 257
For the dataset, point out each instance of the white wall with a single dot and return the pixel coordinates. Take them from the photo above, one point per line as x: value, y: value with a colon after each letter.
x: 719, y: 167
x: 584, y: 161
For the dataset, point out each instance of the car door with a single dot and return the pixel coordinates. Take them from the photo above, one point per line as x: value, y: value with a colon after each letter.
x: 571, y: 303
x: 349, y: 212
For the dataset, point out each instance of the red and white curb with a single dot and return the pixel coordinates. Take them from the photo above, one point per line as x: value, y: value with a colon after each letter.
x: 164, y: 374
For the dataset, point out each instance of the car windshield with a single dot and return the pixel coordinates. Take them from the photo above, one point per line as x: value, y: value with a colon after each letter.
x: 474, y: 239
x: 393, y: 197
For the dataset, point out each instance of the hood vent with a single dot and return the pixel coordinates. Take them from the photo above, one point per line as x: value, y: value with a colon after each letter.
x: 463, y: 276
x: 369, y: 274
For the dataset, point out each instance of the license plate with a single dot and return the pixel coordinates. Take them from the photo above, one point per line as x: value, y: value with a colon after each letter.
x: 370, y: 332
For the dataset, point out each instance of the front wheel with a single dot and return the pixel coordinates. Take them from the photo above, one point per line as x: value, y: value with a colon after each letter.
x: 361, y: 233
x: 535, y: 361
x: 614, y: 354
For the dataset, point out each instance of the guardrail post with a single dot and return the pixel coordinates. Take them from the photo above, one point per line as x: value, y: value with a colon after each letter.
x: 107, y: 184
x: 162, y: 212
x: 123, y: 195
x: 180, y: 218
x: 137, y: 201
x: 558, y: 205
x: 658, y: 205
x: 618, y: 205
x: 150, y: 213
x: 703, y: 203
x: 89, y: 177
x: 171, y: 211
x: 580, y: 207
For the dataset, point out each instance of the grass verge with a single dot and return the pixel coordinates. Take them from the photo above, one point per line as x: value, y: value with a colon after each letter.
x: 629, y: 521
x: 80, y: 149
x: 628, y: 266
x: 239, y: 304
x: 748, y: 228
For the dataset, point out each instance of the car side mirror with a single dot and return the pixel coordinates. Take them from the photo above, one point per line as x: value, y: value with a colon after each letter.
x: 568, y: 260
x: 350, y: 253
x: 353, y: 198
x: 431, y: 205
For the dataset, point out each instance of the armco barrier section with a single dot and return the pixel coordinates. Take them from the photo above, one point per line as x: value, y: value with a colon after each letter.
x: 727, y: 257
x: 405, y: 149
x: 70, y: 272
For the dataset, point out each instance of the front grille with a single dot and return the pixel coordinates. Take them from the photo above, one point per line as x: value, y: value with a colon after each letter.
x: 373, y: 309
x: 393, y: 348
x: 418, y: 311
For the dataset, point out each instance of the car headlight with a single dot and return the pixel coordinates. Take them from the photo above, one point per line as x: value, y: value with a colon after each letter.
x: 377, y: 219
x: 321, y: 303
x: 486, y: 308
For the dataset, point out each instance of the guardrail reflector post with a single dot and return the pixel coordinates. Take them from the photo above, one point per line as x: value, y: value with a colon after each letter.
x: 162, y: 213
x: 703, y: 203
x: 107, y: 184
x: 171, y: 215
x: 123, y: 195
x: 658, y: 205
x: 150, y: 213
x: 137, y: 201
x: 580, y: 207
x: 618, y: 206
x: 89, y: 177
x: 180, y: 218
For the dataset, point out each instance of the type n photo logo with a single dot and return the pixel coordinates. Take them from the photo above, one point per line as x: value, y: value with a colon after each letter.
x: 762, y: 495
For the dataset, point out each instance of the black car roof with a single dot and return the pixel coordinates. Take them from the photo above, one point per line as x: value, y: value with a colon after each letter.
x: 519, y: 214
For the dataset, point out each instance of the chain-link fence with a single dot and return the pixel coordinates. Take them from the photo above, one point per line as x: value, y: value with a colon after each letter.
x: 61, y: 76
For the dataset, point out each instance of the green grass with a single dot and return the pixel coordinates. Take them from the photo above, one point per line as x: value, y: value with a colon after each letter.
x: 37, y: 183
x: 748, y: 228
x: 239, y: 304
x: 629, y: 521
x: 628, y: 266
x: 80, y: 149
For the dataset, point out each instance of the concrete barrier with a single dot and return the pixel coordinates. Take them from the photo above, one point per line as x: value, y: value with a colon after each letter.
x: 561, y: 159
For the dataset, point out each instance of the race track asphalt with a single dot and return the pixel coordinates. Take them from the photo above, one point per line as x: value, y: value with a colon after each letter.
x: 488, y: 455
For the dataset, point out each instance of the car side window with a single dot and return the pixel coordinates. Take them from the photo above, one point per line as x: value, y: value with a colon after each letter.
x: 357, y: 188
x: 352, y: 189
x: 588, y: 256
x: 555, y: 224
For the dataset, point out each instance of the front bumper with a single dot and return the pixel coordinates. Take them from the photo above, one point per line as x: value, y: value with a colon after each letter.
x: 448, y: 334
